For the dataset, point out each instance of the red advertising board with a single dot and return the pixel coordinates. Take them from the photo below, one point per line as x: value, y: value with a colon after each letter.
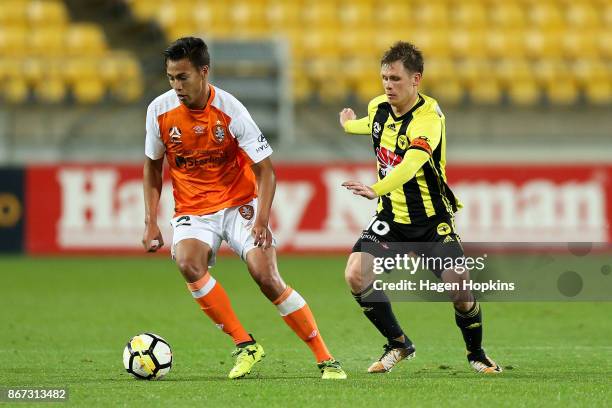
x: 92, y: 208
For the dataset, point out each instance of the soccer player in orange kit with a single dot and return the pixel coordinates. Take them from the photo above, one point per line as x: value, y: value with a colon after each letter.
x: 223, y: 183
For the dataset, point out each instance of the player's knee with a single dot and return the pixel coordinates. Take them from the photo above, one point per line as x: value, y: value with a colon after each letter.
x: 191, y: 269
x: 271, y: 286
x: 352, y: 275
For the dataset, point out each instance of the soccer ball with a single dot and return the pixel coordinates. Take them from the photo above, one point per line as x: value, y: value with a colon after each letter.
x: 147, y: 356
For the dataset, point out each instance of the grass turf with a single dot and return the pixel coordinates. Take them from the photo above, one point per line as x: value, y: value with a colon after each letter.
x: 65, y: 322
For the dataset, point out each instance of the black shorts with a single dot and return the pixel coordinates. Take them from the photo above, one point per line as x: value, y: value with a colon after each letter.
x: 436, y: 238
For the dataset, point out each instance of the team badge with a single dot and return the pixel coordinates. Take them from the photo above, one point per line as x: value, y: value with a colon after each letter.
x: 175, y: 135
x: 402, y: 142
x: 444, y: 229
x: 219, y: 132
x: 246, y: 211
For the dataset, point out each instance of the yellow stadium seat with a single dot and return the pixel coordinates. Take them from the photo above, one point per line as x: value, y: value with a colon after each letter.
x: 580, y: 43
x: 248, y: 19
x: 545, y: 14
x: 505, y: 43
x: 355, y: 14
x: 48, y: 41
x: 466, y: 43
x: 13, y: 41
x: 438, y: 70
x: 582, y: 14
x: 448, y: 93
x: 513, y: 71
x: 562, y: 93
x: 470, y: 72
x: 471, y: 14
x: 320, y: 13
x: 543, y: 44
x: 507, y: 14
x: 604, y: 42
x: 13, y: 12
x: 320, y: 43
x: 131, y: 91
x: 282, y: 15
x: 88, y: 90
x: 486, y: 92
x: 432, y: 13
x: 393, y: 14
x: 85, y: 39
x: 144, y: 9
x: 599, y: 92
x: 209, y: 18
x: 432, y: 43
x: 77, y: 69
x: 10, y: 67
x: 588, y: 70
x: 51, y: 90
x: 47, y: 13
x: 331, y: 90
x: 524, y: 93
x: 606, y: 12
x: 15, y: 90
x: 300, y: 85
x: 549, y: 71
x: 357, y: 43
x: 386, y: 38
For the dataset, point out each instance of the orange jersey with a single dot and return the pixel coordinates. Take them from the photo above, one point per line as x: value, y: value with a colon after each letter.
x: 209, y: 151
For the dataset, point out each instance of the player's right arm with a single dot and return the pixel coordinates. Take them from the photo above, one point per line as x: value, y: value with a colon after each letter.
x: 350, y: 123
x: 152, y: 238
x: 152, y: 181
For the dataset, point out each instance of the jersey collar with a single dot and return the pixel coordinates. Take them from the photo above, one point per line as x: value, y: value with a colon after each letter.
x: 417, y: 104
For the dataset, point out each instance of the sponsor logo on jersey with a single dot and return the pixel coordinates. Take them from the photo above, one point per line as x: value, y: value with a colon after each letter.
x: 391, y: 126
x: 199, y: 130
x: 376, y: 128
x: 387, y: 159
x: 219, y: 132
x: 246, y: 211
x: 175, y: 135
x: 209, y: 159
x: 263, y: 143
x: 444, y: 229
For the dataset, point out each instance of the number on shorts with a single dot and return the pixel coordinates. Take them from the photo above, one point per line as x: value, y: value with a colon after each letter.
x: 183, y: 221
x: 379, y: 227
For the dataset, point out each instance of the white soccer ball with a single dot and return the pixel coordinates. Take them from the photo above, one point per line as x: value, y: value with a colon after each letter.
x: 147, y: 356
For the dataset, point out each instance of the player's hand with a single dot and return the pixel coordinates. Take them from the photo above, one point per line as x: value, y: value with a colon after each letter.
x: 152, y: 238
x: 262, y: 235
x: 346, y: 114
x: 360, y: 189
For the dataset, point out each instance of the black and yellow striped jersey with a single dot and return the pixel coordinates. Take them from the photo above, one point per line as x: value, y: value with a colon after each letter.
x: 422, y: 127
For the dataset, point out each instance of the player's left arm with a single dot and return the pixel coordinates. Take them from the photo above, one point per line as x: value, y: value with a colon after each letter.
x: 254, y: 144
x: 266, y: 186
x: 426, y: 135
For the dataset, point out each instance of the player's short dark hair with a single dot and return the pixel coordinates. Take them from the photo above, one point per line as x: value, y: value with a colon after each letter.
x: 408, y: 53
x: 195, y: 49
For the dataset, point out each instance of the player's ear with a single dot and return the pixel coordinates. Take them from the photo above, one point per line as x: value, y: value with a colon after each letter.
x: 204, y: 71
x: 416, y: 78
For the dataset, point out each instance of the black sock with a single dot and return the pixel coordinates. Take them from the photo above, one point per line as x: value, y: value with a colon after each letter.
x: 470, y: 323
x: 377, y: 308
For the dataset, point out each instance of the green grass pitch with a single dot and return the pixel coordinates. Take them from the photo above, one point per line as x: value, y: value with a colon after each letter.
x: 65, y: 322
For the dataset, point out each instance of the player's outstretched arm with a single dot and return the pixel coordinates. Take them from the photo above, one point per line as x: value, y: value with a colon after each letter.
x: 152, y: 185
x: 350, y: 123
x: 407, y: 169
x: 266, y: 186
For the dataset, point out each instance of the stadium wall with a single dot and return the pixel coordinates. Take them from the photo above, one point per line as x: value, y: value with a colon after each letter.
x: 97, y: 208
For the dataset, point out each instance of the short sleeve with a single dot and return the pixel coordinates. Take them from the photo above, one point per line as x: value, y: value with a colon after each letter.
x: 154, y: 145
x: 249, y: 137
x: 425, y: 132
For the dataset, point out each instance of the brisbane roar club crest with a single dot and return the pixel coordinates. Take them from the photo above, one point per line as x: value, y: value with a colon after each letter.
x: 246, y: 211
x: 219, y: 132
x: 175, y: 135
